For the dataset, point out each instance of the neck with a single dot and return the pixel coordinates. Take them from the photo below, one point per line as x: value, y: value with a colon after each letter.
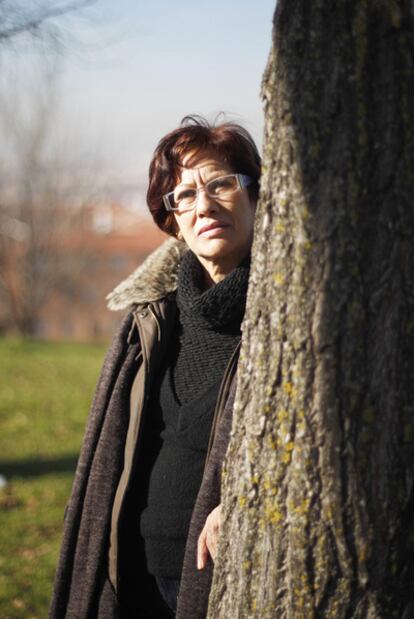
x: 215, y: 272
x: 213, y: 277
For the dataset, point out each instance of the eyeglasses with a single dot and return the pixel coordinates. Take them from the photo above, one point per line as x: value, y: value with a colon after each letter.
x: 185, y: 198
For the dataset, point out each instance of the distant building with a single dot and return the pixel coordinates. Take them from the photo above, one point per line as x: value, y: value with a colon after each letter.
x: 104, y: 246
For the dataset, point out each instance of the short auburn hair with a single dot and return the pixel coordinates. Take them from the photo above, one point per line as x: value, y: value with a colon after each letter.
x: 196, y: 135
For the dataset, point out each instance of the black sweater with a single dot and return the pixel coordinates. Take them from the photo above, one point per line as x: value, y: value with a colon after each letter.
x: 181, y: 408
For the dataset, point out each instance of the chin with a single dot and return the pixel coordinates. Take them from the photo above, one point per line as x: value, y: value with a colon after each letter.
x: 216, y: 249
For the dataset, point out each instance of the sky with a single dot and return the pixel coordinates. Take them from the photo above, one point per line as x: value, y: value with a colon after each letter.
x: 134, y: 68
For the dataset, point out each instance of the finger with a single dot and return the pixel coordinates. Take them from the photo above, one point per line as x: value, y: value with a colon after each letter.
x: 211, y: 541
x: 202, y: 550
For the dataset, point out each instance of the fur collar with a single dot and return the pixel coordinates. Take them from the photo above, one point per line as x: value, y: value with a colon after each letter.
x: 152, y: 280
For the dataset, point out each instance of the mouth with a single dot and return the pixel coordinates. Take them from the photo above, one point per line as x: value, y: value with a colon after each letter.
x: 212, y: 229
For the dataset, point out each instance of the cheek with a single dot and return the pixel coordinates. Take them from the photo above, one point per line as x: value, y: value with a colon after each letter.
x: 248, y: 219
x: 178, y: 224
x: 183, y: 226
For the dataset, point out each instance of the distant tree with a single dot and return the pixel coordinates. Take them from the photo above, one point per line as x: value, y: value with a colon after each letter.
x: 42, y: 199
x: 36, y: 19
x: 38, y: 183
x: 318, y: 483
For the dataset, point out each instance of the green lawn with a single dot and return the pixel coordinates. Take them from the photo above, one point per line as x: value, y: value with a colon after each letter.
x: 45, y: 394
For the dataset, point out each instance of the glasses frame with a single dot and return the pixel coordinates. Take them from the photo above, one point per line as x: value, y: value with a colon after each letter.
x: 243, y: 180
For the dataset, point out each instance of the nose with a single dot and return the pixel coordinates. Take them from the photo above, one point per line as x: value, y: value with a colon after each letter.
x: 205, y: 205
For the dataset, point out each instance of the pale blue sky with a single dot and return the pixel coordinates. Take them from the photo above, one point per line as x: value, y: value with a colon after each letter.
x: 175, y: 58
x: 134, y: 68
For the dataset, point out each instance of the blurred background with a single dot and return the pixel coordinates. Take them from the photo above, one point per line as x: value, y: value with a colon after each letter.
x: 87, y: 88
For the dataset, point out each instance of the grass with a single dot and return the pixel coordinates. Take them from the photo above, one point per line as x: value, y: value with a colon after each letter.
x: 45, y: 395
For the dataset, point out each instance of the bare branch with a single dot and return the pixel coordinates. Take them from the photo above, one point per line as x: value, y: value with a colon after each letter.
x: 15, y: 21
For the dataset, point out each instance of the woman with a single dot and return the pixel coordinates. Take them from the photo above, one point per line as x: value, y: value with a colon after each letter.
x: 159, y: 424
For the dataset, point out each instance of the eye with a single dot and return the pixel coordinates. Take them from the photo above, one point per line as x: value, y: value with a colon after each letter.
x: 184, y: 195
x: 222, y: 184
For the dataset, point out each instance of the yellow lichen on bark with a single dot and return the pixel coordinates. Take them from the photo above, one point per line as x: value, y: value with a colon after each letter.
x: 316, y: 491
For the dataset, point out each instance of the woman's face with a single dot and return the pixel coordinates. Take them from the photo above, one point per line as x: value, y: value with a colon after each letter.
x: 219, y: 232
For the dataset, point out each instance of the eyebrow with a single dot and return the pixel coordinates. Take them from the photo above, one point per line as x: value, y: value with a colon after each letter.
x: 214, y: 175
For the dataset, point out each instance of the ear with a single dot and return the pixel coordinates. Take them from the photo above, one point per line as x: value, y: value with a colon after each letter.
x: 179, y: 236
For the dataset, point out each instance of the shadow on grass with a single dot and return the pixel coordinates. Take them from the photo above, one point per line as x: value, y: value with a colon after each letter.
x: 36, y: 467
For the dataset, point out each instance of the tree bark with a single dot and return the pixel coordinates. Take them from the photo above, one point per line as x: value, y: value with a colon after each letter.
x: 318, y: 501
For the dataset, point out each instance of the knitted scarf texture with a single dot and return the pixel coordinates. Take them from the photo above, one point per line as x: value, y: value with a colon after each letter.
x: 209, y: 326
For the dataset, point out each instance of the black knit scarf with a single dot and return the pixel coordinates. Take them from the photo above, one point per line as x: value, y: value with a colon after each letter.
x: 221, y: 307
x: 209, y: 325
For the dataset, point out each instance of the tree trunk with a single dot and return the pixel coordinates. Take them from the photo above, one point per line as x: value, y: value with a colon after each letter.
x: 318, y: 480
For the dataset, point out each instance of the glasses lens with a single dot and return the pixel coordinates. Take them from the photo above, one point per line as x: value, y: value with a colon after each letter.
x: 222, y: 186
x: 183, y: 198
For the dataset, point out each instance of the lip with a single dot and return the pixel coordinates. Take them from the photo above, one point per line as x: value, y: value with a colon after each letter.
x: 212, y: 228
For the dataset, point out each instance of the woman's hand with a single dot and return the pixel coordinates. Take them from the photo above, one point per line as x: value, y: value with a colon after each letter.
x: 207, y: 542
